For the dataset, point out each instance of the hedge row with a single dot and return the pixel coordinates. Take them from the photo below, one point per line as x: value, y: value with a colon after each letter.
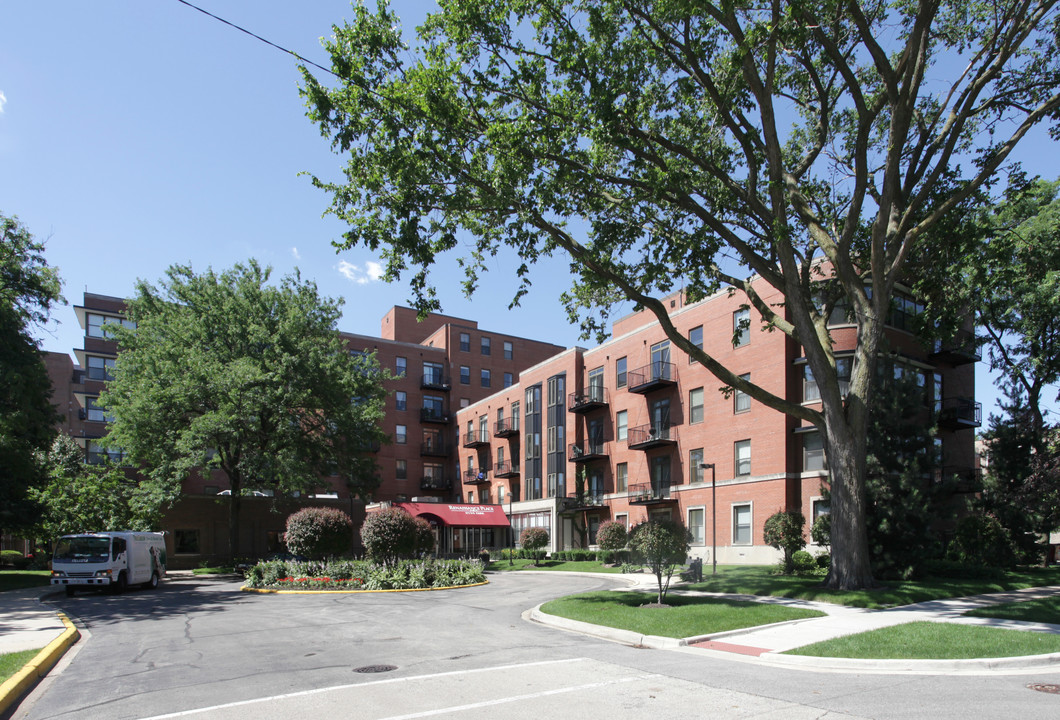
x: 364, y: 575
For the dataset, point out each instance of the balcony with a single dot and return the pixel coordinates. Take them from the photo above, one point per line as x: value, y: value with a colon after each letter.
x: 434, y: 415
x: 506, y: 428
x: 592, y: 398
x: 961, y: 349
x: 586, y: 451
x: 657, y: 376
x: 475, y: 440
x: 505, y: 469
x: 966, y: 479
x: 435, y: 482
x: 435, y: 381
x: 646, y: 437
x: 476, y: 477
x: 650, y: 494
x: 585, y: 501
x: 959, y: 413
x: 435, y: 449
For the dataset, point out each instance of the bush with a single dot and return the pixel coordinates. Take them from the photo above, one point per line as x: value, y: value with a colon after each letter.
x: 10, y: 557
x: 611, y: 537
x: 821, y: 530
x: 783, y: 530
x: 317, y: 532
x: 803, y: 562
x: 980, y: 540
x: 823, y: 560
x: 533, y: 540
x: 361, y: 575
x: 390, y: 534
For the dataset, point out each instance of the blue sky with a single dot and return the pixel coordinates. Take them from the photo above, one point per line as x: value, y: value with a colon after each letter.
x: 135, y: 135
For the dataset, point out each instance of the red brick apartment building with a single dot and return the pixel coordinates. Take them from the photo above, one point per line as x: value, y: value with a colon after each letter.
x: 489, y: 428
x: 622, y: 431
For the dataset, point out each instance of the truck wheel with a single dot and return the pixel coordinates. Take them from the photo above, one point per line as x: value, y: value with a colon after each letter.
x: 152, y: 584
x: 120, y: 584
x: 70, y: 591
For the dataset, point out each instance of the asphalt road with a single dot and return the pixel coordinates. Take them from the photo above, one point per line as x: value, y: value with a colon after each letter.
x: 201, y: 649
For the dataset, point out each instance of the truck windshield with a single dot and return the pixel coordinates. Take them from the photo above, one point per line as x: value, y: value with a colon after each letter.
x: 82, y: 549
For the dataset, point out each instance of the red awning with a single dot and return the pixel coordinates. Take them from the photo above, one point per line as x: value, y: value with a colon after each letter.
x: 459, y: 515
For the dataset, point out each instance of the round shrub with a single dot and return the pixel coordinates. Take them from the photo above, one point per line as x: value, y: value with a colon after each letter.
x: 391, y: 534
x: 533, y: 540
x: 981, y: 540
x: 424, y: 544
x: 783, y: 530
x: 803, y: 561
x: 611, y: 536
x: 821, y: 530
x: 318, y: 533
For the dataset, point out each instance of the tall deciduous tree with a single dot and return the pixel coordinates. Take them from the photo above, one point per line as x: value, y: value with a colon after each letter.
x: 667, y: 145
x: 28, y: 288
x: 227, y: 371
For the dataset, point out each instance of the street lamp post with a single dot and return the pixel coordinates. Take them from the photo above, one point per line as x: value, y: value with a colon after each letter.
x: 511, y: 530
x: 713, y: 517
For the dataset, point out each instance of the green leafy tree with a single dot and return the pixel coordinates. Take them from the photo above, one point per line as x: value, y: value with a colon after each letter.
x: 534, y: 540
x: 79, y: 497
x: 783, y: 531
x: 666, y: 146
x: 391, y: 534
x: 664, y: 545
x: 227, y: 371
x: 319, y: 533
x: 28, y: 289
x: 612, y: 536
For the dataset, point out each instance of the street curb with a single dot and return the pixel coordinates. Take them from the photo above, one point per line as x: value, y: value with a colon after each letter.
x: 18, y: 684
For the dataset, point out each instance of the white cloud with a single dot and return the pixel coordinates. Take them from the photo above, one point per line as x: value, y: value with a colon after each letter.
x: 297, y: 255
x: 3, y: 101
x: 371, y: 272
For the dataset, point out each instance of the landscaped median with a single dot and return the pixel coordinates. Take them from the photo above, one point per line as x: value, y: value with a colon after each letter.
x: 38, y: 666
x: 354, y: 576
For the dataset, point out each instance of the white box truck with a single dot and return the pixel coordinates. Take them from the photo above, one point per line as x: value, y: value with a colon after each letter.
x: 109, y: 560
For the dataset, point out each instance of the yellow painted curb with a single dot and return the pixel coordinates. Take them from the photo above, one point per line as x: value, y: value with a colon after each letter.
x: 270, y: 591
x: 16, y: 685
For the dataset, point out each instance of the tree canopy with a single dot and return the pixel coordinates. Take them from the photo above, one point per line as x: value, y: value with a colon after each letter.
x: 28, y: 289
x: 668, y: 146
x: 227, y: 371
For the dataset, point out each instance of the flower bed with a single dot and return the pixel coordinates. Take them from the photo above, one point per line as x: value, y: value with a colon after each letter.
x: 362, y: 575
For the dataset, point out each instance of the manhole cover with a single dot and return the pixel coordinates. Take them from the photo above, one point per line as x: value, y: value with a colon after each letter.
x: 375, y: 668
x: 1042, y: 687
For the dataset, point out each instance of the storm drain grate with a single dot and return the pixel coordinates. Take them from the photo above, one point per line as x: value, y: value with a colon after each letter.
x: 375, y: 668
x: 1045, y: 688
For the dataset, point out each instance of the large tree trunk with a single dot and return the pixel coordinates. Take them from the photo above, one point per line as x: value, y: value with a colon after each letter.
x: 850, y: 568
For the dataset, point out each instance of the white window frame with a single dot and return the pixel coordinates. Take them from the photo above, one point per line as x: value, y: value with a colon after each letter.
x: 695, y: 408
x: 744, y: 337
x: 701, y: 539
x: 736, y: 466
x: 750, y: 524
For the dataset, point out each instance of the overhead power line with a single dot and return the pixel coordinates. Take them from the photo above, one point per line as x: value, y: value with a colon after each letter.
x: 257, y: 37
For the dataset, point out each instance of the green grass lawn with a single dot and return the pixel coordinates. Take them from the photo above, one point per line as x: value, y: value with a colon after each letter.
x: 934, y: 641
x: 1045, y: 610
x: 11, y: 663
x: 19, y: 579
x: 593, y: 566
x: 688, y: 616
x: 760, y: 580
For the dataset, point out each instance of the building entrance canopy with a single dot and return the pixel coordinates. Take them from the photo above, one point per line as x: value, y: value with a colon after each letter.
x: 459, y: 515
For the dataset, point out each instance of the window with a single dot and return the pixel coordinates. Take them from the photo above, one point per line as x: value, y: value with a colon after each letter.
x: 401, y: 366
x: 695, y: 525
x: 622, y: 519
x: 695, y: 462
x: 432, y: 441
x: 186, y: 542
x: 621, y: 477
x: 509, y: 350
x: 621, y: 425
x: 464, y: 402
x: 695, y: 405
x: 95, y: 324
x: 433, y: 374
x: 401, y: 400
x: 100, y: 368
x: 596, y: 385
x: 842, y: 371
x: 465, y: 342
x: 94, y: 412
x: 594, y: 527
x: 515, y: 415
x: 820, y: 507
x: 741, y: 400
x: 741, y: 327
x: 810, y: 391
x: 660, y: 476
x: 465, y: 375
x: 98, y: 453
x: 508, y: 379
x: 485, y: 378
x: 743, y: 457
x: 401, y: 469
x: 470, y: 497
x: 485, y: 346
x: 695, y: 336
x: 741, y: 524
x: 620, y: 372
x: 812, y: 452
x: 483, y: 428
x: 660, y: 361
x: 400, y: 434
x: 433, y: 407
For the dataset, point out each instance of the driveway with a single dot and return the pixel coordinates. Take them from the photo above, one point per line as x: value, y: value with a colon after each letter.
x: 199, y: 648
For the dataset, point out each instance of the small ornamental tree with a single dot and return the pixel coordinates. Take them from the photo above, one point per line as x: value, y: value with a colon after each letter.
x: 534, y: 539
x: 664, y: 545
x: 318, y: 533
x: 424, y: 543
x: 612, y: 536
x: 821, y: 530
x: 783, y: 530
x: 389, y: 535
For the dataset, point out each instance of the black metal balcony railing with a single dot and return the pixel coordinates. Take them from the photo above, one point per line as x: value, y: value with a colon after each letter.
x: 435, y: 482
x: 506, y: 428
x: 435, y: 381
x: 961, y: 349
x: 967, y: 479
x: 652, y: 377
x: 587, y: 400
x: 433, y: 415
x: 579, y: 501
x: 476, y: 477
x: 475, y: 439
x: 505, y: 469
x: 959, y: 413
x: 648, y: 493
x: 434, y: 449
x: 586, y: 451
x: 645, y: 437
